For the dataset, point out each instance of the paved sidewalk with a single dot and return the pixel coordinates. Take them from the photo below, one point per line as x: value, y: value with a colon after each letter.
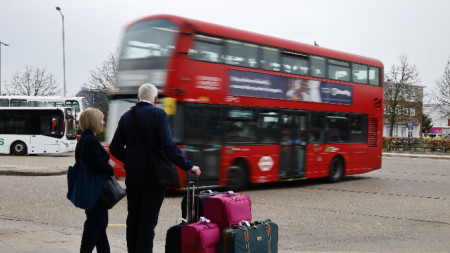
x: 27, y: 165
x: 25, y: 236
x: 36, y: 165
x: 429, y: 156
x: 31, y: 170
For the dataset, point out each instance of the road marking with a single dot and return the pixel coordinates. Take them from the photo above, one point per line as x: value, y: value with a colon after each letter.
x: 116, y: 225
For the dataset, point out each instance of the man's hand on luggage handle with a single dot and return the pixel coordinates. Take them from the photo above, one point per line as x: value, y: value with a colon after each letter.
x: 196, y: 170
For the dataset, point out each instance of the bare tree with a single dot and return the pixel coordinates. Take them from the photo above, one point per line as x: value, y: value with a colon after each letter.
x: 102, y: 78
x: 99, y: 83
x: 398, y: 89
x: 33, y: 82
x: 441, y: 95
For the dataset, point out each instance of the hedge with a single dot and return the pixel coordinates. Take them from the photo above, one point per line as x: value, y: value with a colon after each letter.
x: 416, y: 144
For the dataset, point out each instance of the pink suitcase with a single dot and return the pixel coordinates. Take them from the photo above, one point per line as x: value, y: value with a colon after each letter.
x: 202, y: 236
x: 228, y: 209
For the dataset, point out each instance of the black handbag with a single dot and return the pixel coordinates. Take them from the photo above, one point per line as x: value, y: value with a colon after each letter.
x: 112, y: 193
x: 166, y: 171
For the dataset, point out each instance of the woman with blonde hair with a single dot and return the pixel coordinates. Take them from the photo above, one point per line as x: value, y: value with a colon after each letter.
x: 97, y: 159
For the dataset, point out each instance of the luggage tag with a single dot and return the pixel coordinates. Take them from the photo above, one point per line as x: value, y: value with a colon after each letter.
x: 245, y: 222
x: 231, y: 193
x: 205, y: 221
x: 182, y: 221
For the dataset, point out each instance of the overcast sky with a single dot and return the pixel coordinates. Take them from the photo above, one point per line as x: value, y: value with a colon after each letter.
x: 382, y: 29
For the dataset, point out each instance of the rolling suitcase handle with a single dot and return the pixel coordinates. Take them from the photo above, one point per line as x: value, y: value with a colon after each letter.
x: 190, y: 206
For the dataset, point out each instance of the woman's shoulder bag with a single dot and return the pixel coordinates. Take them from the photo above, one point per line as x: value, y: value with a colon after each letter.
x: 84, y: 185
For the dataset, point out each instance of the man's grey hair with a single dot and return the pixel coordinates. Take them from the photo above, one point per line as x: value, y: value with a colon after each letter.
x: 148, y: 92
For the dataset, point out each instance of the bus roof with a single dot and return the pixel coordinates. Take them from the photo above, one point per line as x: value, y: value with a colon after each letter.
x: 47, y: 98
x: 34, y: 108
x: 228, y: 32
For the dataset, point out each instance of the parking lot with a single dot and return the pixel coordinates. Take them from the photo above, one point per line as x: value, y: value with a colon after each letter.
x: 404, y: 207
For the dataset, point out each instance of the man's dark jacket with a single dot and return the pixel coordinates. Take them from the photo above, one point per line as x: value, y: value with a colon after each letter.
x: 130, y: 147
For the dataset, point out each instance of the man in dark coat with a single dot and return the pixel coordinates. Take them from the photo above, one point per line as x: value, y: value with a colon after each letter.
x: 144, y: 194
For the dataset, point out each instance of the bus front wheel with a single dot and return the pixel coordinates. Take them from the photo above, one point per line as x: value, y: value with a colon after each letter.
x: 337, y: 170
x: 18, y: 148
x: 237, y: 177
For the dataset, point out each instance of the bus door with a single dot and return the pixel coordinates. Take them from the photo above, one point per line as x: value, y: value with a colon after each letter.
x: 45, y: 124
x: 293, y: 144
x: 199, y: 128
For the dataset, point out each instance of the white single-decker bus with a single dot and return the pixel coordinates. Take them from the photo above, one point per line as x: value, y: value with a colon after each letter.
x: 37, y: 130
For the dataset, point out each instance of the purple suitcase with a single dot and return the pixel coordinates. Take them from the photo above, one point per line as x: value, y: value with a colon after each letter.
x: 202, y: 236
x: 228, y: 209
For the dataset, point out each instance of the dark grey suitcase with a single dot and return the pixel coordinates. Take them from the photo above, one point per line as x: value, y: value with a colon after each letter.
x: 257, y: 237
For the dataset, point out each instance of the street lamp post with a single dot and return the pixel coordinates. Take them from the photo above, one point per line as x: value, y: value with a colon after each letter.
x: 4, y: 44
x: 64, y: 50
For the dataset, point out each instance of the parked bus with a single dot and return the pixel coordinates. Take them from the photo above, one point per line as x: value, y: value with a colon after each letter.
x: 37, y: 130
x: 78, y: 103
x: 251, y: 108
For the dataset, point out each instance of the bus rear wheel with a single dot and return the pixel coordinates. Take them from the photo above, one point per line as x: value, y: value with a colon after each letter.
x: 237, y: 177
x: 19, y: 148
x: 337, y: 170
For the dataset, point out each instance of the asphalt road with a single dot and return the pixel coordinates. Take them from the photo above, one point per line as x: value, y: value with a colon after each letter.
x: 404, y: 207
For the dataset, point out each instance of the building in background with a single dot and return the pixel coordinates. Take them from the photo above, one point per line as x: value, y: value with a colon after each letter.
x: 408, y: 120
x: 97, y: 99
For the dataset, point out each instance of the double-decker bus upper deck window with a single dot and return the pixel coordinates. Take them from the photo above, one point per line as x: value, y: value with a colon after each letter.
x: 36, y: 104
x: 338, y: 70
x: 55, y: 104
x: 146, y: 49
x: 317, y: 66
x: 74, y: 104
x: 4, y: 102
x: 270, y: 59
x: 240, y: 126
x: 241, y: 54
x: 149, y: 38
x: 295, y: 63
x: 374, y: 76
x: 359, y: 73
x: 207, y: 49
x: 18, y: 103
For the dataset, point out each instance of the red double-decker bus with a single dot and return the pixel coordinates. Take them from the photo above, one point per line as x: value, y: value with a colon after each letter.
x: 251, y: 108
